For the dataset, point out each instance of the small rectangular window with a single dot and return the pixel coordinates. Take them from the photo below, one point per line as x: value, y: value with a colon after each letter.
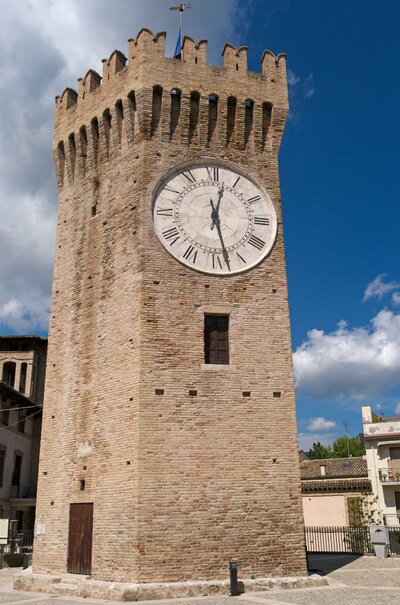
x: 216, y: 339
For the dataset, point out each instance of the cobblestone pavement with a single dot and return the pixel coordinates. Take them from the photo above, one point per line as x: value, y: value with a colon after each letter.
x: 353, y: 581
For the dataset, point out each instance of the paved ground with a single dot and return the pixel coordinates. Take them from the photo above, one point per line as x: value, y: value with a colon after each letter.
x: 354, y: 581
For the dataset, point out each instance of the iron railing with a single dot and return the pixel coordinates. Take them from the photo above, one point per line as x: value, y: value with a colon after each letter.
x: 353, y: 540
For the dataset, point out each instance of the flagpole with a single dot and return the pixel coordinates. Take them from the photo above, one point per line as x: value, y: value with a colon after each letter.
x: 181, y: 14
x: 181, y: 7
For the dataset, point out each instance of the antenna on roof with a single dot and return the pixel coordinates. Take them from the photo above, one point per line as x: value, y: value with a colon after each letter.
x: 178, y: 54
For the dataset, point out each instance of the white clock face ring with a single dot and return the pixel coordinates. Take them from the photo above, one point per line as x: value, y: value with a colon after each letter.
x: 213, y: 218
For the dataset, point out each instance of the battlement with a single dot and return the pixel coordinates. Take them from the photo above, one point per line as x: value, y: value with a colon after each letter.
x: 147, y: 95
x: 149, y: 48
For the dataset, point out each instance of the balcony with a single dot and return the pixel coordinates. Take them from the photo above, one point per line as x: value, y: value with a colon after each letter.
x: 389, y: 476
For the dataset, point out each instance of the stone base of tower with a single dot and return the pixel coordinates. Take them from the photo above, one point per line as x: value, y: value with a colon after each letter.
x: 83, y: 586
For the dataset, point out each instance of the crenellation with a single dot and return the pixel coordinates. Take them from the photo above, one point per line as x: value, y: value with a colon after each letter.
x: 68, y: 98
x: 201, y: 54
x: 235, y: 59
x: 116, y: 62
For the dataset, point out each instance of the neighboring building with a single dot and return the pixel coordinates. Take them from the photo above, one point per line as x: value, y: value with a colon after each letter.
x: 22, y: 373
x: 330, y: 487
x: 382, y: 444
x: 169, y: 441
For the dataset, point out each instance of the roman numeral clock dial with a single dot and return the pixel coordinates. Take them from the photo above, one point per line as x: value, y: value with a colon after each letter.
x: 213, y: 218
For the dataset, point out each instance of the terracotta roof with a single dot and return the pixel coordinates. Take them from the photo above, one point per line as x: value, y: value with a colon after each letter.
x: 334, y: 468
x: 27, y: 336
x: 336, y: 485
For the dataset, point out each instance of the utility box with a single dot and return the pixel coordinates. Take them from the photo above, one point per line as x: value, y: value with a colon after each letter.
x: 380, y: 540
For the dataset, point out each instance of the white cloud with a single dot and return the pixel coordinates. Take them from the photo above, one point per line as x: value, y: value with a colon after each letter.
x: 378, y: 288
x: 397, y: 410
x: 320, y: 424
x: 293, y: 79
x: 45, y: 46
x: 356, y: 362
x: 306, y: 440
x: 396, y: 298
x: 299, y: 88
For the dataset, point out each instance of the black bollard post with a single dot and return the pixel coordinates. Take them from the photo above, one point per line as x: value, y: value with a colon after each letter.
x: 233, y: 578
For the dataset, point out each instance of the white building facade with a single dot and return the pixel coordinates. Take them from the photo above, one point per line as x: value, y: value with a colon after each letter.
x: 382, y: 443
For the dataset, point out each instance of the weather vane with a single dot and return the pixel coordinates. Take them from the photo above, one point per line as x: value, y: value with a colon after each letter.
x: 178, y: 54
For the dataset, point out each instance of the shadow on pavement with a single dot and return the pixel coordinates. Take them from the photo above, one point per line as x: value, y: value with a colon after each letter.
x: 325, y: 563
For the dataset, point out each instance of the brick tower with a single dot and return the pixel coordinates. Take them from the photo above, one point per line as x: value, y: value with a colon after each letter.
x: 169, y: 434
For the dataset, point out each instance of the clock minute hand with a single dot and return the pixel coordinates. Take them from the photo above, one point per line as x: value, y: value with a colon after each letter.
x: 224, y: 250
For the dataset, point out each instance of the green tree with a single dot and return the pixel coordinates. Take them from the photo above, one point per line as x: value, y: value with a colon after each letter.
x: 348, y: 446
x: 319, y: 451
x: 340, y: 448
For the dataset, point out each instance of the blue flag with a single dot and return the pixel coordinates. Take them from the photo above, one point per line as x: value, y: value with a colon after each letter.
x: 178, y: 47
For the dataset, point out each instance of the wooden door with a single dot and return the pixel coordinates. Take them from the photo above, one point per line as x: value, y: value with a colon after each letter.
x: 80, y: 538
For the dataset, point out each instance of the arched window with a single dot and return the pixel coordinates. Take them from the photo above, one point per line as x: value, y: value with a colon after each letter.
x: 83, y: 145
x: 61, y: 162
x: 95, y: 137
x: 231, y: 119
x: 175, y: 110
x: 119, y: 113
x: 248, y: 119
x: 212, y: 115
x: 22, y: 377
x: 72, y: 152
x: 132, y: 111
x: 194, y: 115
x: 156, y: 108
x: 107, y: 131
x: 9, y: 368
x: 266, y: 120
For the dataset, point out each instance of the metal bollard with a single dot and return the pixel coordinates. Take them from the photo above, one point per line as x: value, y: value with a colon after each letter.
x: 233, y: 579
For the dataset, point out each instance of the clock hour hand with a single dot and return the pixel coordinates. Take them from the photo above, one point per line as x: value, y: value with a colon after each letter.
x: 220, y: 194
x: 214, y: 215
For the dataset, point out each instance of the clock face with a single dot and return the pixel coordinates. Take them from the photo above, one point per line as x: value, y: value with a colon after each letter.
x: 214, y: 219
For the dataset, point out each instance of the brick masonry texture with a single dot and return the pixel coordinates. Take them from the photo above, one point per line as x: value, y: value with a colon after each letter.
x: 180, y: 484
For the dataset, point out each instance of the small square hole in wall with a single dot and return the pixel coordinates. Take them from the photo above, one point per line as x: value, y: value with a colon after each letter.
x: 277, y: 393
x: 128, y: 462
x: 159, y: 391
x: 192, y: 393
x: 246, y: 393
x: 274, y: 459
x: 82, y: 485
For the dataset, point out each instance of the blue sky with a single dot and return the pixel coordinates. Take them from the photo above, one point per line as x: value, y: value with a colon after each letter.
x: 339, y: 165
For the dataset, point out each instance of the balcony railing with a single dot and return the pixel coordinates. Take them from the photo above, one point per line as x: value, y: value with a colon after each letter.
x: 389, y: 475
